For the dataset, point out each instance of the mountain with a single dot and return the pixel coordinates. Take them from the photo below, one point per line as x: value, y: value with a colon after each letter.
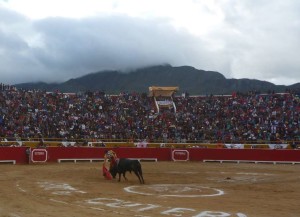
x: 187, y: 78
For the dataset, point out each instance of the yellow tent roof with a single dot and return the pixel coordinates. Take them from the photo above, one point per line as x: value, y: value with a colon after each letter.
x: 162, y: 91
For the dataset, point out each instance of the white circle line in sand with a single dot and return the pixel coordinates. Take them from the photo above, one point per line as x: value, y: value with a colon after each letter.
x: 134, y: 189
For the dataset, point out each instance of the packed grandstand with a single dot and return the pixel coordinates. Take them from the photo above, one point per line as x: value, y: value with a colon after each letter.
x: 251, y: 117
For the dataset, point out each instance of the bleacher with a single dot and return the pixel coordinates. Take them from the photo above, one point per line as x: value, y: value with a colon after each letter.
x: 252, y: 118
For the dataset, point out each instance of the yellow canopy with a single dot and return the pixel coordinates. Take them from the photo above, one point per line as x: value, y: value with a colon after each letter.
x: 162, y: 91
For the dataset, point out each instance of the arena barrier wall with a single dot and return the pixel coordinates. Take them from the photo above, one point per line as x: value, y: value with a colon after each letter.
x: 19, y: 155
x: 13, y: 155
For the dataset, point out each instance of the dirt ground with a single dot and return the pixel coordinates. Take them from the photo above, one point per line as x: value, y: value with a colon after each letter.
x: 171, y: 189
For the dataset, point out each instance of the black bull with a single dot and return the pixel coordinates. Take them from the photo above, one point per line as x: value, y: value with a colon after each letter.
x: 125, y: 165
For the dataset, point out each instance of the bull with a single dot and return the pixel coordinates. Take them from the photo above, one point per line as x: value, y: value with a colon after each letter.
x: 123, y: 165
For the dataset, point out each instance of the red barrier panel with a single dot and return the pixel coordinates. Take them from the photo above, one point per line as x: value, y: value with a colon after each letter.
x: 19, y: 155
x: 162, y: 154
x: 245, y: 154
x: 180, y: 155
x: 39, y: 155
x: 98, y: 152
x: 56, y: 153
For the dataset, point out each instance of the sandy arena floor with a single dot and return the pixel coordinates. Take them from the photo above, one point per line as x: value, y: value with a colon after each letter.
x: 171, y: 189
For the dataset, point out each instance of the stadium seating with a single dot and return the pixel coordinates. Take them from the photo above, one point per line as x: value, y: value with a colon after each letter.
x: 249, y: 118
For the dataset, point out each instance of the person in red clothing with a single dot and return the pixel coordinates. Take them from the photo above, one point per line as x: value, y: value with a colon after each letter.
x: 110, y: 159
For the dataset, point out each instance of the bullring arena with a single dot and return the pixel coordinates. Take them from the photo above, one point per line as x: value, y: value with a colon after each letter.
x: 171, y: 189
x: 202, y: 156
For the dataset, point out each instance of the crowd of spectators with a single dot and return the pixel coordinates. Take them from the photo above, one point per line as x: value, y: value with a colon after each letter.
x: 251, y: 117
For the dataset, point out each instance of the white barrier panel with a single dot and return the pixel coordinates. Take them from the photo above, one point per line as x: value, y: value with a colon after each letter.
x: 75, y: 160
x: 144, y: 159
x: 253, y: 161
x: 8, y: 161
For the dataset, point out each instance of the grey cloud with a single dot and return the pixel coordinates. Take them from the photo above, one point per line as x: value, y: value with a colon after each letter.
x: 10, y: 17
x: 120, y: 42
x: 258, y: 39
x: 56, y: 49
x: 263, y: 40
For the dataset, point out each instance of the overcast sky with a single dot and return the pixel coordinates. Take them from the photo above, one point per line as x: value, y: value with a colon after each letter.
x: 55, y: 40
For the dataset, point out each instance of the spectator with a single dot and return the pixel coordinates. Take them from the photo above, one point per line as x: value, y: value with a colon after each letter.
x: 237, y: 118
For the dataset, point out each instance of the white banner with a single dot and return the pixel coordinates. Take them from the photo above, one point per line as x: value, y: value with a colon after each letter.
x: 238, y: 146
x: 143, y: 144
x: 164, y: 103
x: 278, y: 146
